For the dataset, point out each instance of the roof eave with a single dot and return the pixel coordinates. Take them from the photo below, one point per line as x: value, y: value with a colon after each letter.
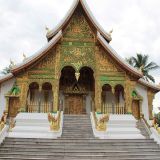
x: 149, y: 85
x: 6, y: 77
x: 39, y: 54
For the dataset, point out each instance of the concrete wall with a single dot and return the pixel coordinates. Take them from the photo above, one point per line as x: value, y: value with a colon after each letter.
x: 4, y: 88
x: 142, y: 91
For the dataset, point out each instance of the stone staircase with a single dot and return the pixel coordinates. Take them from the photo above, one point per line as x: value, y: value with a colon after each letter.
x: 77, y: 126
x: 77, y: 142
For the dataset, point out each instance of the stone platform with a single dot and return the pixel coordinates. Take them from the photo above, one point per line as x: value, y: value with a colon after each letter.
x: 119, y: 127
x: 33, y: 125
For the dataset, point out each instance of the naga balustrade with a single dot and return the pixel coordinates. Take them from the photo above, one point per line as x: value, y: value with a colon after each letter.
x: 3, y: 120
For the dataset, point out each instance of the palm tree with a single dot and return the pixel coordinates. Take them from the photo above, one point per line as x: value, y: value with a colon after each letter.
x: 141, y: 63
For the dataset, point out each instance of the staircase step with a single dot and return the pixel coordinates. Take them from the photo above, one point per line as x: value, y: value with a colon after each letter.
x: 78, y: 143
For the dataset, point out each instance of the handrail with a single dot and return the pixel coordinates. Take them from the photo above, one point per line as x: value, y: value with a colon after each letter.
x: 54, y: 121
x: 4, y: 128
x: 147, y: 126
x: 101, y: 124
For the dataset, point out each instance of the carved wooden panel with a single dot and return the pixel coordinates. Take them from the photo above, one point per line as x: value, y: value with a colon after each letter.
x: 136, y: 109
x: 77, y: 56
x: 78, y: 28
x: 74, y: 104
x: 105, y: 63
x: 13, y: 106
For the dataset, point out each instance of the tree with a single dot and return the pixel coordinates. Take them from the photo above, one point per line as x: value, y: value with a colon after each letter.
x: 142, y: 63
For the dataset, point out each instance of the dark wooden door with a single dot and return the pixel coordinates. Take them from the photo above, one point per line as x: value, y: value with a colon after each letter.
x: 136, y: 109
x: 74, y: 104
x: 13, y: 106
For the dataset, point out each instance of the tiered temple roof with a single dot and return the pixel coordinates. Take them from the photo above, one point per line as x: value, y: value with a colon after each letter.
x: 55, y: 35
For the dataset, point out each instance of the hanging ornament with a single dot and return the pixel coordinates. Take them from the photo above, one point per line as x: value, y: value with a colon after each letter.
x: 77, y: 74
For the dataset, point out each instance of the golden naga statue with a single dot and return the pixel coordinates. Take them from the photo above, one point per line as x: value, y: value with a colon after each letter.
x: 101, y: 123
x: 156, y: 122
x: 3, y: 120
x: 54, y: 121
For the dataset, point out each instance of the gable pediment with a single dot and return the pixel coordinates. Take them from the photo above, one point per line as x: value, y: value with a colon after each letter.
x: 79, y: 28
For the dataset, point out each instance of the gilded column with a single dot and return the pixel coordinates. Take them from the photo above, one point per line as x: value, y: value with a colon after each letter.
x: 7, y: 103
x: 150, y: 95
x: 56, y: 80
x: 98, y: 90
x: 23, y: 96
x: 129, y: 87
x: 56, y: 96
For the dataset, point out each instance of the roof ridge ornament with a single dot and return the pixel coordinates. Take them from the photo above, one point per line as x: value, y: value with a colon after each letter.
x: 110, y: 32
x: 47, y: 29
x: 12, y: 63
x: 24, y: 57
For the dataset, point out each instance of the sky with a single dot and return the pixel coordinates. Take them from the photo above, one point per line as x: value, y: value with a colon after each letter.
x: 135, y: 24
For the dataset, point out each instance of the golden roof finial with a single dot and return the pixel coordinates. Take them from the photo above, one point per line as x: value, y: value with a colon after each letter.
x: 12, y: 63
x: 110, y: 32
x: 47, y: 29
x: 24, y: 57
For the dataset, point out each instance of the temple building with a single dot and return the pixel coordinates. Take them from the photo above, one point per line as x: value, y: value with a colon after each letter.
x: 77, y: 72
x: 77, y: 99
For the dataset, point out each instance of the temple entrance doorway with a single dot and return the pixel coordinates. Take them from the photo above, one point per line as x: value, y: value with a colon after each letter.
x: 76, y: 90
x: 74, y: 105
